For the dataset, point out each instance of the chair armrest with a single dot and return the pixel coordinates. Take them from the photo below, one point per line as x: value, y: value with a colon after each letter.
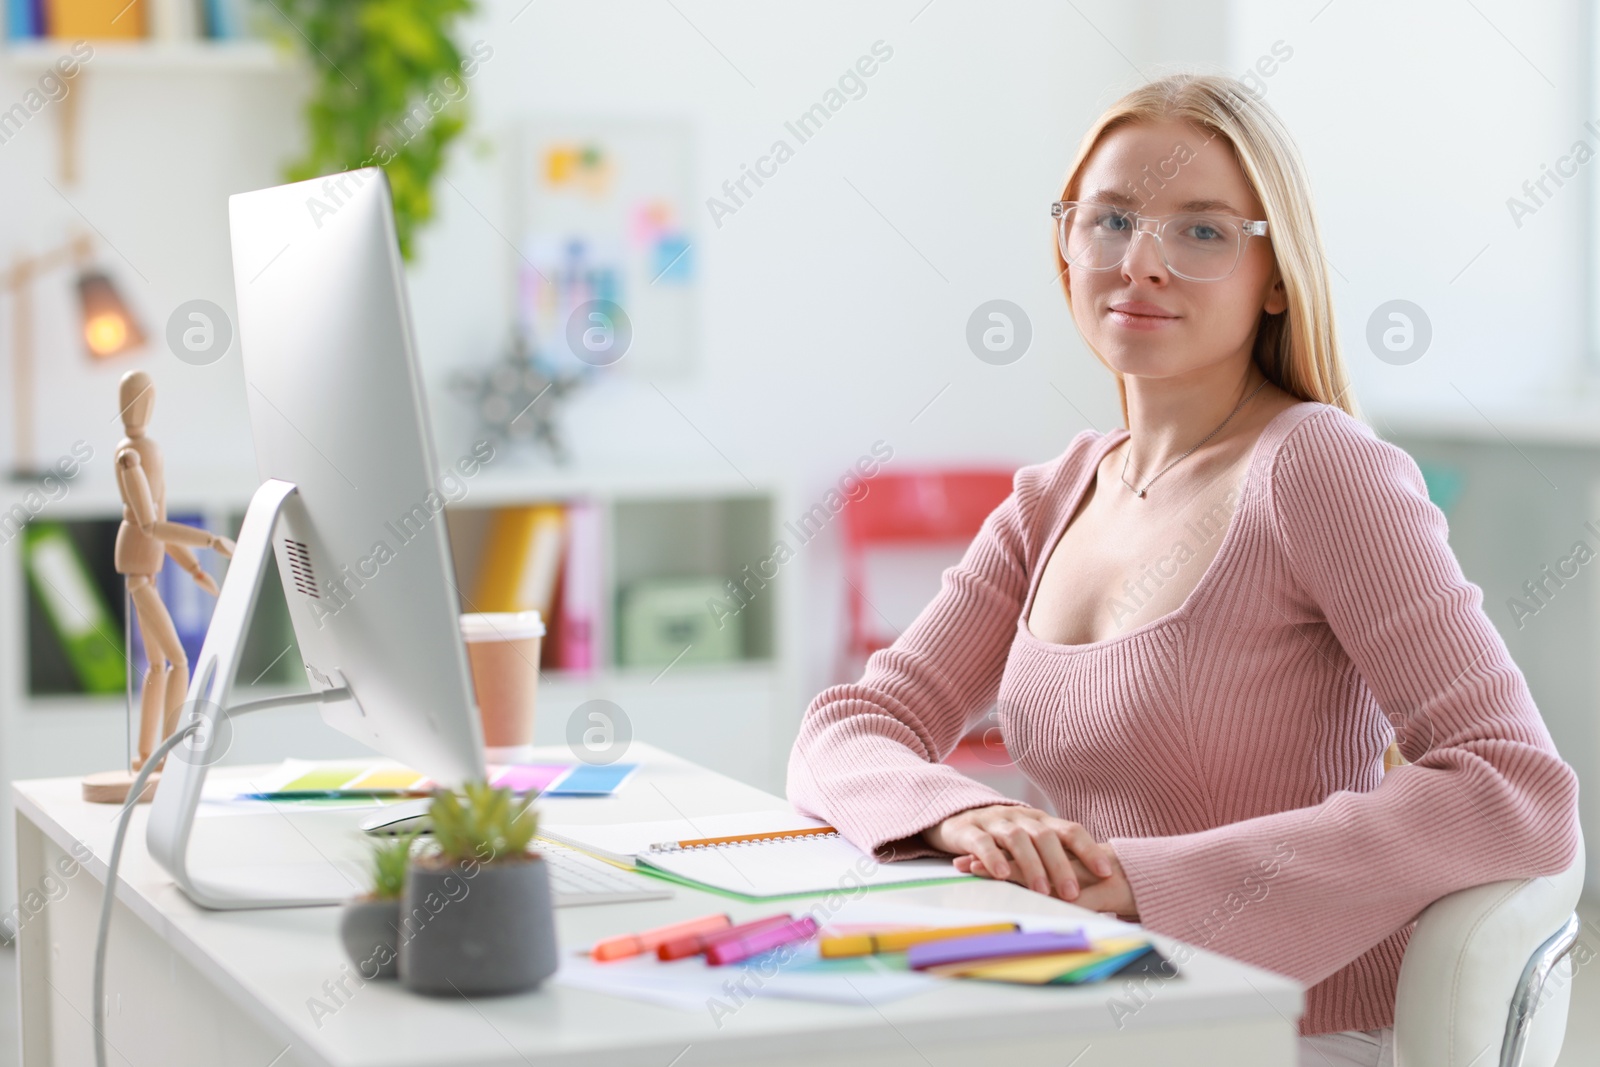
x: 1464, y: 961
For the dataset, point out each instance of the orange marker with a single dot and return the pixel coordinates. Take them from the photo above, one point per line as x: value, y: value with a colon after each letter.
x: 615, y: 948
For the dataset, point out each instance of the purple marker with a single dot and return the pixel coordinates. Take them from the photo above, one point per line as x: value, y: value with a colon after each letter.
x: 760, y: 941
x: 997, y: 946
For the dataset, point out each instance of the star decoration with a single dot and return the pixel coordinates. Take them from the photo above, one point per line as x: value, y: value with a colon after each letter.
x: 516, y: 400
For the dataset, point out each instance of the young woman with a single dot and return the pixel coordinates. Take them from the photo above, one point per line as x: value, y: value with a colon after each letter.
x: 1202, y: 631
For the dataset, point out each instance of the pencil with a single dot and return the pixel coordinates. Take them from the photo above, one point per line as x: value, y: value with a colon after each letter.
x: 696, y: 842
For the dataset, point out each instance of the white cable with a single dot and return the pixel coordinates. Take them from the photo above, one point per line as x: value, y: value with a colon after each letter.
x: 134, y: 793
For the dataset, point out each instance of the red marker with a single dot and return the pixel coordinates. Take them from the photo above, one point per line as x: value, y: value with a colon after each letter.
x: 613, y: 948
x: 694, y: 944
x: 754, y: 944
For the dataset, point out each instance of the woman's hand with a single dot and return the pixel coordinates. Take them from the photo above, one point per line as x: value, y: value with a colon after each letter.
x: 1112, y: 894
x: 1037, y: 850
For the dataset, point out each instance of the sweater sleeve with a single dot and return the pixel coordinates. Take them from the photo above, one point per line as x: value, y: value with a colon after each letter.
x: 1484, y: 797
x: 868, y: 755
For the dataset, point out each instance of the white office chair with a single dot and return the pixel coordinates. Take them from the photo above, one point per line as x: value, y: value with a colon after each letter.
x: 1487, y: 977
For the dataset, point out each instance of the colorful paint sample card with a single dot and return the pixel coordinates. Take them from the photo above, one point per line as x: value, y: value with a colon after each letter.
x: 1053, y: 967
x: 530, y: 777
x: 311, y: 779
x: 591, y: 780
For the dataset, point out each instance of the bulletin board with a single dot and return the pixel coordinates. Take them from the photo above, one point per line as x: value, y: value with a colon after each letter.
x: 604, y: 211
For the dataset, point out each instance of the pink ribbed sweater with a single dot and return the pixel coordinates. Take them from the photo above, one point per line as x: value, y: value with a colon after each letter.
x: 1231, y: 751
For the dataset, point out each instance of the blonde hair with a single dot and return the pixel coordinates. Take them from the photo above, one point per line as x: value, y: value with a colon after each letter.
x: 1298, y: 349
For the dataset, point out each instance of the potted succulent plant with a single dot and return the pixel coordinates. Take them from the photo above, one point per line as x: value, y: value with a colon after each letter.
x: 370, y: 924
x: 476, y: 914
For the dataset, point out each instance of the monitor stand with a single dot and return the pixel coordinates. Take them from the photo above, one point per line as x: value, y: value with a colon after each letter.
x: 172, y: 812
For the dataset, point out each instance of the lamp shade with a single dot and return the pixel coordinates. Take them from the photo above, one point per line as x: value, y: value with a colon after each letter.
x: 109, y: 328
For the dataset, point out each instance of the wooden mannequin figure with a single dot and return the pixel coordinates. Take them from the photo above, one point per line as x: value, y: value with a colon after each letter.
x: 143, y: 540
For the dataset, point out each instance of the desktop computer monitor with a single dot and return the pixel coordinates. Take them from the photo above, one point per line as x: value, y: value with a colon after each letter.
x: 349, y: 507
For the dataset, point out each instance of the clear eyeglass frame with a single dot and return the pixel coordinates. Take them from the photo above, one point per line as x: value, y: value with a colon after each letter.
x: 1155, y: 225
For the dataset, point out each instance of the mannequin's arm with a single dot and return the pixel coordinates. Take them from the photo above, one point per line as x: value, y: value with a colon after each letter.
x: 136, y: 494
x: 135, y: 488
x: 176, y: 535
x: 186, y: 559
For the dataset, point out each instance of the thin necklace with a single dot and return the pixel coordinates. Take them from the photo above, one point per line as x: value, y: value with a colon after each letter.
x: 1140, y: 492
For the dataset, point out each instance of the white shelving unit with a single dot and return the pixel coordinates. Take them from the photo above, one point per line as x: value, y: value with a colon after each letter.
x: 37, y: 55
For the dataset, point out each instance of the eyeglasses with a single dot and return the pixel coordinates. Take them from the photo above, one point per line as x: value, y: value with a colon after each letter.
x: 1201, y: 247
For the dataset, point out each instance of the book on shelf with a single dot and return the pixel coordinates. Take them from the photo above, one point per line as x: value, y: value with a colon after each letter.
x: 577, y: 615
x: 94, y: 19
x: 550, y: 647
x: 24, y: 19
x: 226, y: 19
x: 520, y: 559
x: 156, y: 20
x: 176, y: 20
x: 546, y: 557
x: 76, y: 609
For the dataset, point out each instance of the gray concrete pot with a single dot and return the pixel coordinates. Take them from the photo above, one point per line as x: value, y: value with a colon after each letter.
x: 483, y: 929
x: 370, y: 931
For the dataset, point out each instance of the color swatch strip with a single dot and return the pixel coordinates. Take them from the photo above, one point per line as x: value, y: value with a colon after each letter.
x: 364, y: 780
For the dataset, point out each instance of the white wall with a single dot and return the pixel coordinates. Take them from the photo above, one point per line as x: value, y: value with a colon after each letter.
x: 1418, y: 120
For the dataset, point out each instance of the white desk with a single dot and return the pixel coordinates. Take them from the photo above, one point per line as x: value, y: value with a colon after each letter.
x: 230, y: 989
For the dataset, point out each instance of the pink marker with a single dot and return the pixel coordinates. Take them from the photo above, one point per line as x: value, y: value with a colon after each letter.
x: 760, y: 941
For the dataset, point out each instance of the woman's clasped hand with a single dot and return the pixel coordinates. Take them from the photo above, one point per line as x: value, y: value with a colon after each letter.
x: 1037, y: 850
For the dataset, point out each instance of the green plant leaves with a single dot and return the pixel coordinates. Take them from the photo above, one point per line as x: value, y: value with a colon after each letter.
x: 381, y: 96
x: 491, y: 823
x: 390, y: 859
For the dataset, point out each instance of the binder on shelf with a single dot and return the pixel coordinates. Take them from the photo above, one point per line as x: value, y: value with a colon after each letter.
x: 550, y: 648
x: 76, y: 609
x: 521, y: 559
x: 24, y: 20
x: 577, y: 615
x: 95, y: 19
x: 225, y: 19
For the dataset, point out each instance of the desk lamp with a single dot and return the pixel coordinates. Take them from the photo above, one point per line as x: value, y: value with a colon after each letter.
x: 109, y: 329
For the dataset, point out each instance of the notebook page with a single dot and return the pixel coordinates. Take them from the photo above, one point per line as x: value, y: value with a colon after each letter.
x: 620, y: 842
x: 793, y: 865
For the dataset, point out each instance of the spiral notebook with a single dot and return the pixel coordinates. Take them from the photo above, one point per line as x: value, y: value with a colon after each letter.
x: 755, y: 855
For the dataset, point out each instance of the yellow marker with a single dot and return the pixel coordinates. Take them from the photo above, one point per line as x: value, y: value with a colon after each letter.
x: 900, y: 940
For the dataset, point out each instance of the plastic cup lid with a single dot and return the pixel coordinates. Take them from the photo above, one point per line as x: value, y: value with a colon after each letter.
x: 501, y: 625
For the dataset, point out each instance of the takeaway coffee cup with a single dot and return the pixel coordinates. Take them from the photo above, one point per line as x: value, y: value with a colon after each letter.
x: 503, y: 652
